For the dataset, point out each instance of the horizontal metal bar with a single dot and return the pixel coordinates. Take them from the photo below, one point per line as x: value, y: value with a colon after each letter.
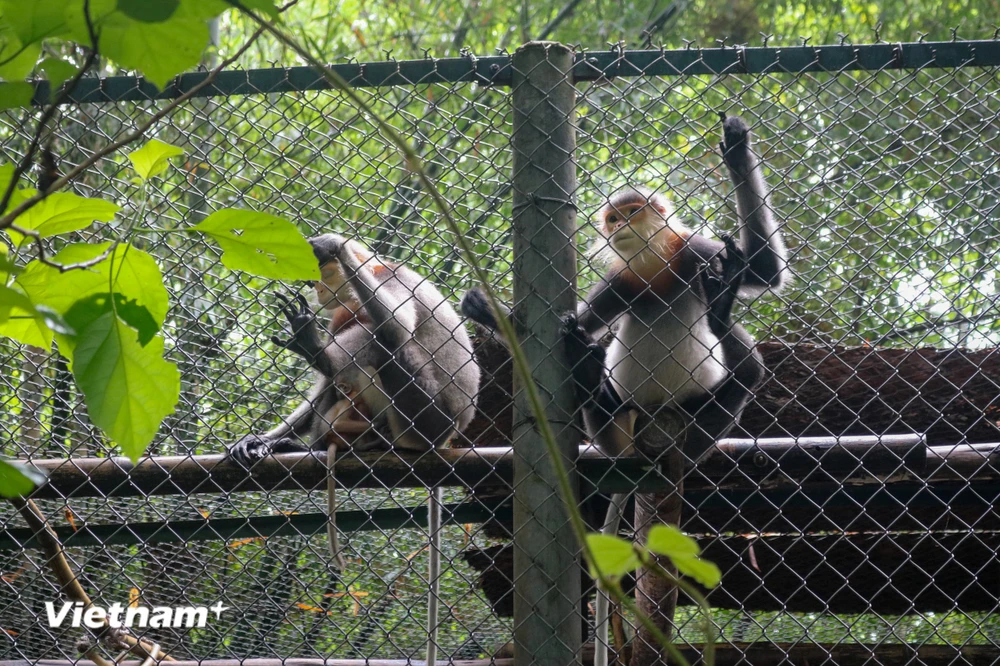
x: 496, y: 70
x: 227, y: 529
x: 793, y: 60
x: 762, y: 463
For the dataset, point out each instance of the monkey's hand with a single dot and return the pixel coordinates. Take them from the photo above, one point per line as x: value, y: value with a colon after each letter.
x: 252, y: 448
x: 477, y: 308
x: 722, y: 286
x: 327, y: 247
x: 305, y: 339
x: 586, y: 358
x: 735, y: 145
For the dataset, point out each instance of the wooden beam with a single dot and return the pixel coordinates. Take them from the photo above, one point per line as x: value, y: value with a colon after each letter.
x: 950, y: 395
x: 841, y: 573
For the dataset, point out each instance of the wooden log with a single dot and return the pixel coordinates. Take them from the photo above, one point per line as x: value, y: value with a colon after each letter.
x: 950, y: 395
x: 730, y: 654
x: 736, y: 466
x: 893, y: 574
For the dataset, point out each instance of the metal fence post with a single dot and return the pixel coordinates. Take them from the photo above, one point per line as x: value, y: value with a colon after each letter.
x: 547, y: 621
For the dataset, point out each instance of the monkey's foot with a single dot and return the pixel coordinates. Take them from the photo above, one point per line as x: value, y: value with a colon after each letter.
x: 249, y: 450
x: 735, y: 145
x: 733, y: 264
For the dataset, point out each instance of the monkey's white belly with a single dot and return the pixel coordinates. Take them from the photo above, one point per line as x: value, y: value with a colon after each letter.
x: 666, y: 363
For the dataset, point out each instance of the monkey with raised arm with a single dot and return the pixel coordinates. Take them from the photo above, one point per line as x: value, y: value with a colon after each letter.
x: 668, y: 296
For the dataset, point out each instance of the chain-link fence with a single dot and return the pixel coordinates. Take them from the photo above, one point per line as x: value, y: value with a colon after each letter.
x: 882, y: 163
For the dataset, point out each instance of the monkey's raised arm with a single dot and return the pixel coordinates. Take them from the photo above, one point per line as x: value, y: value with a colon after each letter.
x: 760, y: 236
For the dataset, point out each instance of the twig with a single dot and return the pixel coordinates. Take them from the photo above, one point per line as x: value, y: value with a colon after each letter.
x: 563, y: 14
x: 67, y: 89
x: 68, y: 581
x: 7, y: 220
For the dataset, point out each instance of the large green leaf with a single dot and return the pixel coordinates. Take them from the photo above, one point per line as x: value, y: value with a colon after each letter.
x: 13, y: 300
x: 129, y: 389
x: 153, y: 158
x: 35, y: 20
x: 17, y: 59
x: 159, y: 50
x: 60, y: 213
x: 137, y: 279
x: 149, y: 12
x: 261, y: 244
x: 83, y: 313
x: 17, y: 480
x: 683, y: 551
x: 612, y: 556
x: 18, y: 312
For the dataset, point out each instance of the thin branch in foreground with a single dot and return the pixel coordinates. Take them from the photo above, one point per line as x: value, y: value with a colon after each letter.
x: 50, y: 110
x: 8, y: 219
x: 69, y: 583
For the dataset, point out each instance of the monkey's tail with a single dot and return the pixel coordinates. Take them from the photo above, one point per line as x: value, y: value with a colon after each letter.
x: 602, y: 606
x: 331, y: 509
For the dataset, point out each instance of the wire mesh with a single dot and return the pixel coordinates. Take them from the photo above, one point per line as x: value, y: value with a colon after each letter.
x: 885, y: 178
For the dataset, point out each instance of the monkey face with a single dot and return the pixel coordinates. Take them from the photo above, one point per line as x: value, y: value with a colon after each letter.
x: 332, y: 289
x: 633, y: 220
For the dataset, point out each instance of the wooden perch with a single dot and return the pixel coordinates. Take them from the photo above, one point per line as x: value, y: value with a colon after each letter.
x: 950, y: 395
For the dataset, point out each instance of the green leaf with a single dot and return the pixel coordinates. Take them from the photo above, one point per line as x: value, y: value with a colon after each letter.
x: 613, y: 556
x: 683, y: 551
x: 16, y: 95
x: 7, y: 265
x: 17, y: 480
x: 12, y: 300
x: 160, y: 50
x: 35, y: 20
x: 83, y: 313
x: 261, y: 244
x: 149, y: 12
x: 129, y: 389
x: 152, y: 159
x: 17, y: 311
x: 60, y: 213
x: 137, y: 278
x: 17, y: 57
x: 670, y: 541
x: 57, y: 71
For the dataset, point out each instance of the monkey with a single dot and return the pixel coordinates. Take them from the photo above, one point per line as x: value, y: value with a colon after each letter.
x: 399, y: 362
x: 667, y: 298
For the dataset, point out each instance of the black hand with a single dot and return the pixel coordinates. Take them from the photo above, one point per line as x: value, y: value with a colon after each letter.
x: 305, y: 339
x: 249, y: 450
x: 477, y: 308
x: 586, y: 358
x: 735, y: 145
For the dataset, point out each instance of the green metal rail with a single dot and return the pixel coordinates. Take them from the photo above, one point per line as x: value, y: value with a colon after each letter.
x: 496, y: 70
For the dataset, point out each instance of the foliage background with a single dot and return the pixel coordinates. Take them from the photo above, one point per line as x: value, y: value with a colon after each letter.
x: 888, y: 182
